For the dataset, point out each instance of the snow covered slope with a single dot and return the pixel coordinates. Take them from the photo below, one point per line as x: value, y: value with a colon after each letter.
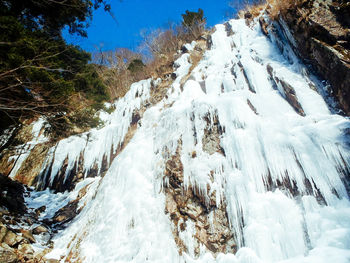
x: 249, y: 134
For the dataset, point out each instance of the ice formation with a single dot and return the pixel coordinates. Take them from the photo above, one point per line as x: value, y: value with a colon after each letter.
x: 281, y: 171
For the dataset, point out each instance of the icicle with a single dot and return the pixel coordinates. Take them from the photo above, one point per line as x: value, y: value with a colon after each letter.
x: 237, y: 135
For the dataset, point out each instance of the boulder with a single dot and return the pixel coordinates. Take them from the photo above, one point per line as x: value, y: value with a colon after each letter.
x: 40, y: 229
x: 3, y: 231
x: 39, y: 210
x: 66, y: 213
x: 27, y: 234
x: 26, y: 249
x: 7, y: 255
x: 11, y: 239
x: 51, y: 260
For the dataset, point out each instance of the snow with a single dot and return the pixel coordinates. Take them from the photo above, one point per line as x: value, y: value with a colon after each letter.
x: 191, y: 46
x: 132, y: 213
x: 23, y: 151
x: 267, y: 155
x: 54, y: 201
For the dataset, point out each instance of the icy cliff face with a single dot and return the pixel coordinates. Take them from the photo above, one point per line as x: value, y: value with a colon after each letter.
x: 242, y: 162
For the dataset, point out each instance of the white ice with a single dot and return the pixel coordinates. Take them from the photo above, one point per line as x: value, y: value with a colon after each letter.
x: 267, y: 155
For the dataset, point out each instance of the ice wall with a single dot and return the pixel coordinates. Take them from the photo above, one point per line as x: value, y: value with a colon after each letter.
x: 281, y: 170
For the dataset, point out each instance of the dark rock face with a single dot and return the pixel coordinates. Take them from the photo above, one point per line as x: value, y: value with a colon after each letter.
x: 250, y: 85
x: 11, y: 195
x: 209, y: 42
x: 291, y: 97
x: 65, y: 215
x: 321, y: 32
x: 288, y: 91
x: 228, y: 29
x: 263, y: 26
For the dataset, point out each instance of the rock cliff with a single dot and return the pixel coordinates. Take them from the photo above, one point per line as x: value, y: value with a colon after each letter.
x: 320, y: 31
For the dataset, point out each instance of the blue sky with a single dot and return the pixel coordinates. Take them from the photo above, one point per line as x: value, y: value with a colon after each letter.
x: 134, y: 15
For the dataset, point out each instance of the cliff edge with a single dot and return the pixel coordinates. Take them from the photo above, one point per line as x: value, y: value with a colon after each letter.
x: 321, y: 33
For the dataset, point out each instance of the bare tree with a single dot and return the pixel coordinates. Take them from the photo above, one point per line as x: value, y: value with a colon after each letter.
x: 114, y: 71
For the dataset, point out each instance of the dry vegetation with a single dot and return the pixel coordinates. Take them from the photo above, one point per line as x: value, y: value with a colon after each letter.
x: 115, y: 71
x: 120, y: 68
x: 243, y: 7
x: 276, y: 7
x: 249, y: 9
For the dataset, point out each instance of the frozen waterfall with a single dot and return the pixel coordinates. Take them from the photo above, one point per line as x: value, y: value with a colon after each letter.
x: 278, y: 165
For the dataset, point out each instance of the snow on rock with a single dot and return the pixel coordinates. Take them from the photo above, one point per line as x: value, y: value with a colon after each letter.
x: 23, y: 151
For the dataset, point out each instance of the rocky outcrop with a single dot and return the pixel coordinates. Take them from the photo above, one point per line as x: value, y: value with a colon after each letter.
x: 187, y: 207
x: 20, y: 227
x: 16, y: 239
x: 65, y: 214
x: 15, y: 247
x: 286, y: 90
x: 250, y: 85
x: 321, y: 36
x: 28, y: 172
x: 23, y: 153
x: 211, y: 138
x: 34, y: 169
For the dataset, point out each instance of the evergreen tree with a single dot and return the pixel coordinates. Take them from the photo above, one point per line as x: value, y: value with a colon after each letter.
x: 39, y: 72
x: 194, y: 22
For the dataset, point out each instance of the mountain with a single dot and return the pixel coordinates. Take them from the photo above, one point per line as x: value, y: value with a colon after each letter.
x: 239, y: 156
